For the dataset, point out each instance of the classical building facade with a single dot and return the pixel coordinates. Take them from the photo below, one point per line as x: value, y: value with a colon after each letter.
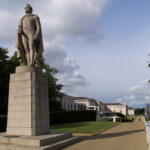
x: 147, y: 110
x: 118, y: 108
x: 92, y: 104
x: 67, y: 103
x: 131, y: 111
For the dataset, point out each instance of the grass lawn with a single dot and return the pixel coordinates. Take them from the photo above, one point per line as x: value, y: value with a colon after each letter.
x: 130, y: 117
x: 82, y: 127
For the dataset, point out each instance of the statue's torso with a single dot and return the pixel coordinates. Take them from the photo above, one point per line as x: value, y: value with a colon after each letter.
x: 29, y: 25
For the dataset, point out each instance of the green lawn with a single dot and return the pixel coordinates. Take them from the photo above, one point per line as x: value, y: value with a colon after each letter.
x: 82, y: 127
x: 130, y: 117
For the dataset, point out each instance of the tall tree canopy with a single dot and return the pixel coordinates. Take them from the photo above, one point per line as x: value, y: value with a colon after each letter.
x: 7, y: 66
x: 53, y: 88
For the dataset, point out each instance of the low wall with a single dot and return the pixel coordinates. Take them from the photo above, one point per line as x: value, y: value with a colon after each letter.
x: 147, y: 130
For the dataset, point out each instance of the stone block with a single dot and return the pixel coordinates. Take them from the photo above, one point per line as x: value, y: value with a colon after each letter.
x: 28, y: 102
x: 51, y: 141
x: 22, y: 123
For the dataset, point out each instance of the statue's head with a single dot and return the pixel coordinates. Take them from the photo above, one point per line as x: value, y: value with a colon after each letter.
x: 28, y: 8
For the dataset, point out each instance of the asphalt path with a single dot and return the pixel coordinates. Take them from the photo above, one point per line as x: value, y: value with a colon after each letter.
x: 126, y: 136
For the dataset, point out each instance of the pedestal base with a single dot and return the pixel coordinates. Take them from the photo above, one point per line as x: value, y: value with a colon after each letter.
x: 28, y: 106
x: 51, y: 141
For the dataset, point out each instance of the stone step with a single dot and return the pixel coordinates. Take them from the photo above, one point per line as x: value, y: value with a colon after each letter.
x: 61, y: 144
x: 54, y: 146
x: 35, y: 141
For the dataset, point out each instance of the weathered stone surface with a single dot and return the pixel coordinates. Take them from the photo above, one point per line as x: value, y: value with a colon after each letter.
x: 41, y: 142
x: 28, y: 108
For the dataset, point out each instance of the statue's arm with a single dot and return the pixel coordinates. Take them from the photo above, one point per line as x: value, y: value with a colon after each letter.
x: 38, y: 27
x: 20, y: 30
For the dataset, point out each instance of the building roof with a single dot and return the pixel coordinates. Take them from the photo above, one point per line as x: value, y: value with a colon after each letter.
x: 130, y: 108
x: 114, y: 104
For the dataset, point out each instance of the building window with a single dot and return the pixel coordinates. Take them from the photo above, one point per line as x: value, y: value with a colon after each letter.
x: 64, y: 105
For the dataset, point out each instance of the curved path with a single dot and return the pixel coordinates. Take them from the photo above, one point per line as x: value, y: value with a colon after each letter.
x: 126, y: 136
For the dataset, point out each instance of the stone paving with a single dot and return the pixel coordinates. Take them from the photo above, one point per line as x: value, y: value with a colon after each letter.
x: 126, y: 136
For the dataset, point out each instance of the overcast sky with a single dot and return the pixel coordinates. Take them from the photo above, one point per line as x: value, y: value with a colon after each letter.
x: 100, y: 47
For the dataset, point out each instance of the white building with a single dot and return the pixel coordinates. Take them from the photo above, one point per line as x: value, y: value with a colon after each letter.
x: 67, y: 103
x: 103, y: 108
x: 131, y: 111
x: 91, y: 104
x: 118, y: 108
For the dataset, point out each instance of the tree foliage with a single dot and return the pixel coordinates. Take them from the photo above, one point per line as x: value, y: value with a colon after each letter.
x: 53, y: 88
x: 7, y: 66
x: 139, y: 111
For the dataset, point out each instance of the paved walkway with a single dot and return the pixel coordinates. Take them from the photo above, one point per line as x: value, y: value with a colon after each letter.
x: 126, y: 136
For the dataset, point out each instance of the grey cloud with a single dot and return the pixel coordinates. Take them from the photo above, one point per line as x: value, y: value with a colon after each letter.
x: 138, y: 95
x: 61, y: 20
x: 78, y: 19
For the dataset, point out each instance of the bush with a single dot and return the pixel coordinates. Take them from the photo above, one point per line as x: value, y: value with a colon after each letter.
x: 106, y: 118
x: 126, y: 120
x: 3, y: 123
x: 115, y: 114
x: 71, y: 116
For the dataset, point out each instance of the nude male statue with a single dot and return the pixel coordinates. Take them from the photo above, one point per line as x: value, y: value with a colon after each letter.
x: 29, y: 39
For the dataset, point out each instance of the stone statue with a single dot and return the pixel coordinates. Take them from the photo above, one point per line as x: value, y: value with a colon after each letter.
x: 29, y: 39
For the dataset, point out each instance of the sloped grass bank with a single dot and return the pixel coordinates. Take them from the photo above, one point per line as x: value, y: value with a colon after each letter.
x: 89, y: 127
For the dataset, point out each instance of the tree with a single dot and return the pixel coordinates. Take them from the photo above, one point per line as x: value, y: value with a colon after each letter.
x: 53, y: 88
x: 7, y: 66
x: 139, y: 111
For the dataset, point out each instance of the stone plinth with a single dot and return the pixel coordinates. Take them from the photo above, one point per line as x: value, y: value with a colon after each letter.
x: 28, y: 106
x: 53, y: 141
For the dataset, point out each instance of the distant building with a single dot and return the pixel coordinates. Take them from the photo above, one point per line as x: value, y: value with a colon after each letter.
x: 118, y: 108
x: 131, y: 111
x: 91, y: 104
x: 103, y: 108
x: 147, y: 111
x: 67, y: 103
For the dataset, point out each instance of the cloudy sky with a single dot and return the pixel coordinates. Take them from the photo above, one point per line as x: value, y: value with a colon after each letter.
x: 100, y: 47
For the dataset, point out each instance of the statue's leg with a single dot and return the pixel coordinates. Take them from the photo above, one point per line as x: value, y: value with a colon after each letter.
x: 27, y: 49
x: 39, y: 60
x: 32, y: 51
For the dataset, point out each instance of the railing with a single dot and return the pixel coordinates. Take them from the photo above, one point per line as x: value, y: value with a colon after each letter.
x: 147, y: 130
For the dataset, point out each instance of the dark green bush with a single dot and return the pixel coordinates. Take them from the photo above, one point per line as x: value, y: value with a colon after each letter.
x: 115, y: 114
x: 126, y: 120
x: 3, y: 122
x: 71, y: 116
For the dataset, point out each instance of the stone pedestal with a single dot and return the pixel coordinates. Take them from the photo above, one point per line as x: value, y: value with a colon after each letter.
x: 28, y: 106
x: 28, y: 114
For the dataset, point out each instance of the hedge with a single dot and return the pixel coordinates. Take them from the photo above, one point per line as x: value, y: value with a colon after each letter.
x: 72, y: 116
x: 60, y: 117
x: 3, y: 122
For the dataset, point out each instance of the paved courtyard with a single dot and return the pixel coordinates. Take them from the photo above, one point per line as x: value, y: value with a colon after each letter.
x: 126, y: 136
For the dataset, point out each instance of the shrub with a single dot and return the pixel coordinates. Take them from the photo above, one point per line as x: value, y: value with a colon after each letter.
x: 115, y: 114
x: 71, y: 116
x: 126, y: 120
